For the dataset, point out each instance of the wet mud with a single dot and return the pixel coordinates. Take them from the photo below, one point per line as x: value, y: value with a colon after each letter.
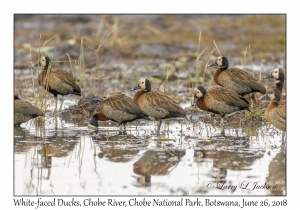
x: 60, y: 155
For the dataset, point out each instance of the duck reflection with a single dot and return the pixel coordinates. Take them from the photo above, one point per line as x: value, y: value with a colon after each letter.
x: 238, y: 121
x: 119, y: 148
x: 42, y: 161
x: 277, y: 174
x: 45, y: 153
x: 233, y: 153
x: 155, y: 163
x: 23, y: 139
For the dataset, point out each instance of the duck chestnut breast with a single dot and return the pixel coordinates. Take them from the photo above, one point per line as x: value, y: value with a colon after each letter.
x: 274, y: 113
x: 278, y: 75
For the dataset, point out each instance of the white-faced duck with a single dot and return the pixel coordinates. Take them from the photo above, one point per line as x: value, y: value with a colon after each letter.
x: 278, y: 75
x: 274, y: 113
x: 56, y: 81
x: 156, y: 104
x: 219, y: 100
x: 118, y: 108
x: 235, y: 79
x: 24, y: 111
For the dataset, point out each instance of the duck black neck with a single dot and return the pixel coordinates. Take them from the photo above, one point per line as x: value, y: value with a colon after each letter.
x: 148, y: 86
x: 225, y: 63
x: 279, y: 86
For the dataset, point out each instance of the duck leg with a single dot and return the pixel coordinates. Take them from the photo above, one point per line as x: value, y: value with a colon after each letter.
x: 222, y: 121
x: 56, y: 103
x: 158, y: 126
x: 283, y: 140
x: 231, y: 114
x: 125, y: 127
x: 222, y: 126
x: 122, y: 131
x: 62, y: 101
x: 93, y: 122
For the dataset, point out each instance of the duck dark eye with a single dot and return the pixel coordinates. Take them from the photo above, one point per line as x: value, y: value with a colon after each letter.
x: 142, y: 82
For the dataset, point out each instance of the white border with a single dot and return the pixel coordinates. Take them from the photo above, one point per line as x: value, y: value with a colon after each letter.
x: 140, y: 7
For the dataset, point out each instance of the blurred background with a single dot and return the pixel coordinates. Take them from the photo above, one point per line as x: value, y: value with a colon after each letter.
x: 122, y: 48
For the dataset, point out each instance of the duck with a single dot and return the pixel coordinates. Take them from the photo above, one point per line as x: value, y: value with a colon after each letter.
x: 278, y: 75
x: 118, y: 108
x: 24, y: 111
x: 235, y: 79
x: 219, y: 100
x: 156, y: 104
x: 56, y: 81
x: 275, y: 114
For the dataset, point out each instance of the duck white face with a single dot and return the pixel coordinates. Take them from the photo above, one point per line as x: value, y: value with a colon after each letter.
x: 43, y: 61
x: 278, y: 74
x: 142, y: 84
x: 197, y: 93
x: 271, y: 95
x: 275, y: 73
x: 274, y: 95
x: 219, y: 61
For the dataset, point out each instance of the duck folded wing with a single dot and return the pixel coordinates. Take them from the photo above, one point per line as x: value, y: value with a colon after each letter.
x: 227, y: 96
x: 281, y: 113
x: 123, y: 102
x: 240, y: 75
x: 26, y: 108
x: 158, y: 98
x: 252, y: 85
x: 65, y: 77
x: 166, y: 102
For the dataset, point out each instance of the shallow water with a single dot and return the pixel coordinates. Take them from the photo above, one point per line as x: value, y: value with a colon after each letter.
x: 63, y: 157
x: 192, y: 158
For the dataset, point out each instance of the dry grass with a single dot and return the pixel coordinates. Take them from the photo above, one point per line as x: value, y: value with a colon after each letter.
x: 116, y: 39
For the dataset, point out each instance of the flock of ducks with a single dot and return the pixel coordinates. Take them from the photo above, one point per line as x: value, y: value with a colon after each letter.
x: 225, y: 99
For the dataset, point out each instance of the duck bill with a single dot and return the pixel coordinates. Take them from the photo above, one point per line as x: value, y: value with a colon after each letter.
x: 195, y: 101
x: 264, y: 97
x: 135, y: 88
x: 36, y: 64
x: 268, y: 76
x: 212, y: 64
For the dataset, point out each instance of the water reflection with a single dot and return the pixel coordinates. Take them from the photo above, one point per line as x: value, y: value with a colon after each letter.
x: 154, y: 162
x: 226, y: 154
x: 118, y: 148
x: 24, y: 139
x: 233, y: 153
x: 40, y: 153
x: 277, y: 174
x: 41, y: 161
x: 55, y: 159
